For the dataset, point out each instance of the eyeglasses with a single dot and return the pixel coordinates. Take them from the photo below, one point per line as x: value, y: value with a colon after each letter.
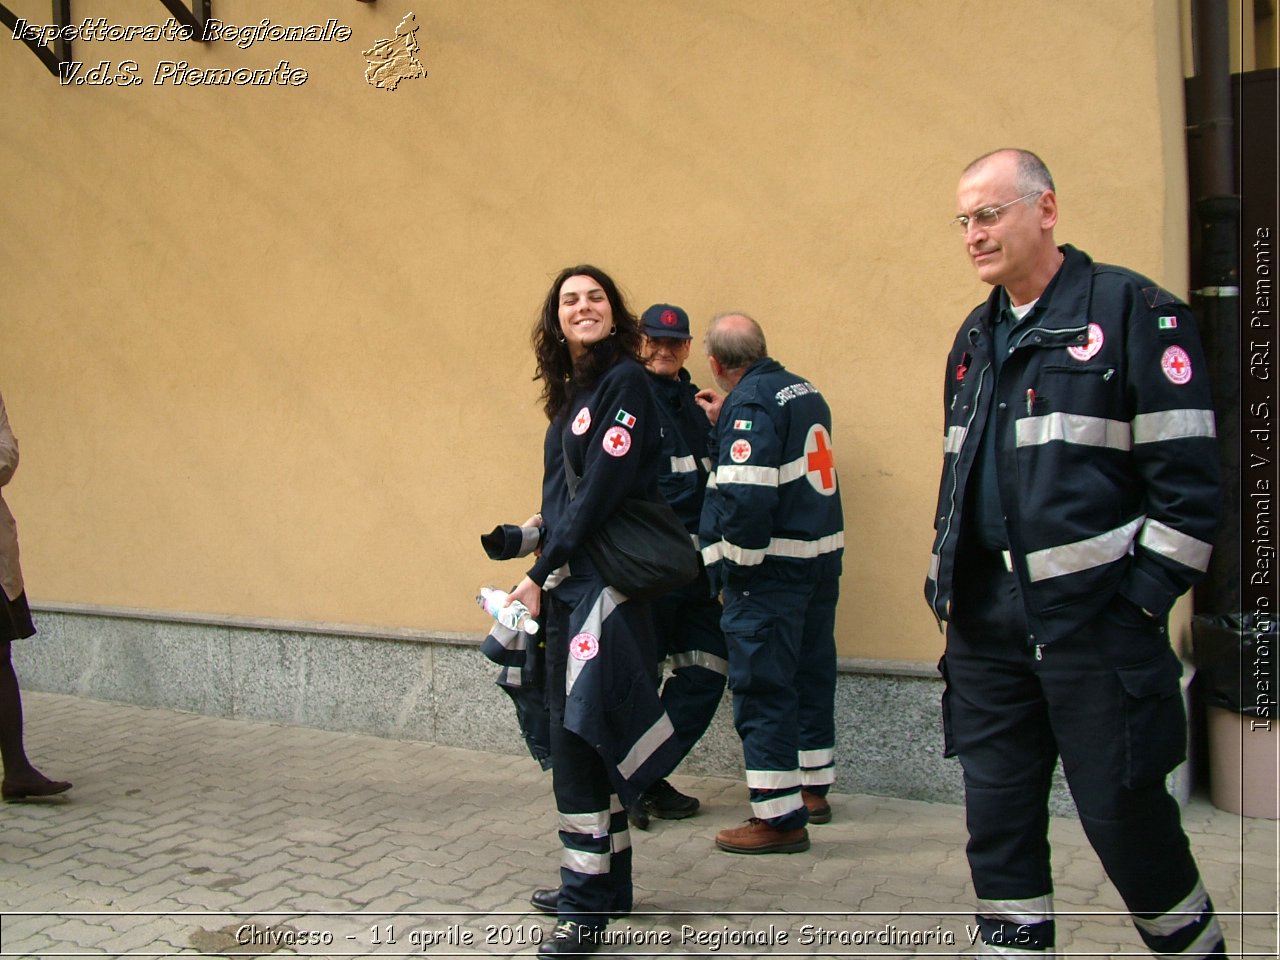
x: 988, y: 216
x: 673, y: 344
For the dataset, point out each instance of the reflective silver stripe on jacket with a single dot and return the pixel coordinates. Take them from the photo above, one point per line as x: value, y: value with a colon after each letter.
x: 1168, y: 542
x: 935, y: 564
x: 508, y: 638
x: 748, y: 474
x: 1083, y: 554
x: 1173, y: 425
x: 684, y: 465
x: 700, y: 658
x: 556, y: 577
x: 954, y: 439
x: 644, y: 748
x: 594, y: 824
x: 1073, y: 428
x: 1033, y: 910
x: 773, y: 779
x: 762, y: 476
x: 605, y: 604
x: 778, y: 547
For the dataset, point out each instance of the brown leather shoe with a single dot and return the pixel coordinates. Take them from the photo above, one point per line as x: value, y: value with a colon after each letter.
x: 756, y: 836
x: 819, y: 809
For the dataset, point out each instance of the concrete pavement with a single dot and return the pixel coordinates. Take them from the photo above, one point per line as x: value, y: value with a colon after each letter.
x: 189, y: 835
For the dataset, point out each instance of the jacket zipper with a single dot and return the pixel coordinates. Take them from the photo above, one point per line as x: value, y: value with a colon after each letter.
x: 951, y: 507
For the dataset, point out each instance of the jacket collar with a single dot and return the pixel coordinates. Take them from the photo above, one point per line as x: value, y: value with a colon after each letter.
x: 1065, y: 301
x: 761, y: 366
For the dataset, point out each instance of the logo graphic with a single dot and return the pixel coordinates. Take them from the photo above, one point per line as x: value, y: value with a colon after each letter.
x: 1176, y: 365
x: 740, y: 452
x: 626, y: 419
x: 391, y: 61
x: 819, y: 461
x: 1091, y: 347
x: 584, y: 647
x: 668, y: 318
x: 582, y: 422
x: 616, y: 442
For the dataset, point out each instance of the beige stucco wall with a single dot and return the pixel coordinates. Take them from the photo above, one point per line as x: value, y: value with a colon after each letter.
x: 266, y: 348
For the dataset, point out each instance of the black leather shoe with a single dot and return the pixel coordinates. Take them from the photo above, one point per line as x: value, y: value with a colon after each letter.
x: 638, y: 815
x: 546, y: 901
x: 570, y: 939
x: 665, y: 802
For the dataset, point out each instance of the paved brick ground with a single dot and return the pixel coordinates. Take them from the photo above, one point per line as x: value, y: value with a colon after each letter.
x: 187, y: 835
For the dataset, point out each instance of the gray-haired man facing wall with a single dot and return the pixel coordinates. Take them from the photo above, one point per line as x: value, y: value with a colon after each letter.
x: 772, y: 537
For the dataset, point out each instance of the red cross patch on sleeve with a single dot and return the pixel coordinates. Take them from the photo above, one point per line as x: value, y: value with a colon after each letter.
x: 1176, y: 365
x: 616, y: 442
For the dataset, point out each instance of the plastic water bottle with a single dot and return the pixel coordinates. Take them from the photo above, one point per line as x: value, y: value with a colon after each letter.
x: 514, y: 615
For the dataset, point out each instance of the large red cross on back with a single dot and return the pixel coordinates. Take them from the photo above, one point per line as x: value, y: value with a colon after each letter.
x: 822, y: 461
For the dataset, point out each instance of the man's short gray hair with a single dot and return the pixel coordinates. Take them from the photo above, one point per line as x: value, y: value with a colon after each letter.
x: 735, y: 345
x: 1032, y: 173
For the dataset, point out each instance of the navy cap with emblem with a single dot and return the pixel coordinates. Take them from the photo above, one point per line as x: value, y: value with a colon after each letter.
x: 663, y: 321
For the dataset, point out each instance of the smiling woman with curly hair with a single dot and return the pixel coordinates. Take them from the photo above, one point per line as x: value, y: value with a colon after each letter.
x: 610, y: 738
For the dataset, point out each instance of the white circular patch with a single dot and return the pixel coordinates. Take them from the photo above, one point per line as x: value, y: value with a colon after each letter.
x: 740, y: 452
x: 584, y: 647
x: 819, y: 461
x: 582, y: 422
x: 616, y: 441
x: 1091, y: 347
x: 1176, y: 365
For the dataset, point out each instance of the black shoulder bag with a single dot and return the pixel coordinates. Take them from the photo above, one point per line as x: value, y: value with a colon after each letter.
x: 642, y: 549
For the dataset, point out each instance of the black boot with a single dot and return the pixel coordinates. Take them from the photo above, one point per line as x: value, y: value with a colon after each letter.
x: 665, y: 802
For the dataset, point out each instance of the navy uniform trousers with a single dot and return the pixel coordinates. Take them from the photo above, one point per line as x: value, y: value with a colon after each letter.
x: 687, y: 628
x: 782, y: 671
x: 595, y: 869
x: 1108, y: 701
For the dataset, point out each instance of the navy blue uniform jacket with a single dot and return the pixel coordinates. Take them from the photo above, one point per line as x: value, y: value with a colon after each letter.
x: 1107, y: 458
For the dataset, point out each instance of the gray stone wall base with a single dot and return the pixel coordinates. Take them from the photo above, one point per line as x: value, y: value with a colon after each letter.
x: 438, y: 687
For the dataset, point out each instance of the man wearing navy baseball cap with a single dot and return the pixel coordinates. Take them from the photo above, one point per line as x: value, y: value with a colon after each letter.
x: 687, y: 620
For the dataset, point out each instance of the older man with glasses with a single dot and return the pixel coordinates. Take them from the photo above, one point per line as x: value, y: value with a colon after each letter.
x: 1079, y: 499
x: 686, y: 621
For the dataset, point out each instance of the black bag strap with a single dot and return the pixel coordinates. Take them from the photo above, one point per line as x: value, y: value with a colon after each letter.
x: 571, y: 478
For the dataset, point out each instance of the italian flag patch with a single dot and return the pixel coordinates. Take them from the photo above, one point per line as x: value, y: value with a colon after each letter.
x: 742, y: 424
x: 626, y: 419
x: 1168, y: 323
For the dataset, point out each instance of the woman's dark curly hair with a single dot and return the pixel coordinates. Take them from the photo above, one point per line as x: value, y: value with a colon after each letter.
x: 561, y: 377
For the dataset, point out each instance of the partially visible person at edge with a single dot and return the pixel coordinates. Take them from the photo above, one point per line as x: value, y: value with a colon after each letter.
x: 599, y: 645
x: 1079, y: 498
x: 21, y: 779
x: 772, y: 535
x: 687, y: 620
